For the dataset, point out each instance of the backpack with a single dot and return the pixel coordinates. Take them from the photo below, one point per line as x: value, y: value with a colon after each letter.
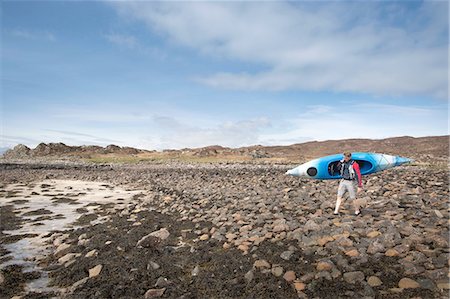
x: 350, y: 169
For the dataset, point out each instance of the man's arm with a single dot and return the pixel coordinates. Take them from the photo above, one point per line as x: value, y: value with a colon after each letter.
x: 358, y: 174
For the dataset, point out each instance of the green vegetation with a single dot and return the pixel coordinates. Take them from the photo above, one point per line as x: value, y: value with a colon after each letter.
x: 162, y: 157
x: 119, y: 159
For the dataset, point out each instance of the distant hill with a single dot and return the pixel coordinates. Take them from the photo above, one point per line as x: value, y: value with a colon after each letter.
x: 421, y: 148
x: 434, y: 146
x: 21, y: 151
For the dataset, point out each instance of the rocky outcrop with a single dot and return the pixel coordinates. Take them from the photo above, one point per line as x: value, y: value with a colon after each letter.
x: 60, y: 149
x: 19, y: 151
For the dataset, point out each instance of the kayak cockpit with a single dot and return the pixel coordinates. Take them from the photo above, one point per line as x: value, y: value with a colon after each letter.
x: 364, y: 165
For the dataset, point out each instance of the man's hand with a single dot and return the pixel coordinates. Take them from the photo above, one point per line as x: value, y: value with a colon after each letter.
x: 359, y: 189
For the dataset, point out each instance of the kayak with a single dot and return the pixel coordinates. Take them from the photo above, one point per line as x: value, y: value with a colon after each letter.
x: 325, y: 168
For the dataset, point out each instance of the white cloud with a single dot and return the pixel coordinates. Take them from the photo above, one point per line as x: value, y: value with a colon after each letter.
x: 10, y: 141
x: 360, y: 120
x: 174, y: 134
x: 127, y: 41
x: 33, y: 34
x: 108, y: 115
x: 378, y: 48
x: 74, y: 135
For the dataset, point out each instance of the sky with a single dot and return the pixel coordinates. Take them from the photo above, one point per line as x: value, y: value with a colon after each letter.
x: 160, y: 75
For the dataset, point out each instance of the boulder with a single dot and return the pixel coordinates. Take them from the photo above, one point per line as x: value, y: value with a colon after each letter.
x: 95, y: 271
x: 408, y: 283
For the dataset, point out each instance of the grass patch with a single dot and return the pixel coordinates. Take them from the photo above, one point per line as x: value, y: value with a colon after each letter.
x: 156, y: 158
x: 117, y: 159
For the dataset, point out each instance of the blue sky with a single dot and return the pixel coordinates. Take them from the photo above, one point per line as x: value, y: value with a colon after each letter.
x: 171, y: 75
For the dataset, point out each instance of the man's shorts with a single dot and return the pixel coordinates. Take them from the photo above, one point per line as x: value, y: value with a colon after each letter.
x: 347, y: 185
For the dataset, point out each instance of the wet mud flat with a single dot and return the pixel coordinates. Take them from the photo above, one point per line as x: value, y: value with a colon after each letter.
x: 226, y: 231
x: 33, y: 214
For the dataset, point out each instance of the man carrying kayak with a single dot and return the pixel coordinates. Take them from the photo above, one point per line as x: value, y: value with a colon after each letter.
x: 351, y: 176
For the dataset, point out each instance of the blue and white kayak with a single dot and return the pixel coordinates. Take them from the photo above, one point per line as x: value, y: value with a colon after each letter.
x: 325, y: 168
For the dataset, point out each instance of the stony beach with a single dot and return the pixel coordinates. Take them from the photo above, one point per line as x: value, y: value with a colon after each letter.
x: 179, y: 230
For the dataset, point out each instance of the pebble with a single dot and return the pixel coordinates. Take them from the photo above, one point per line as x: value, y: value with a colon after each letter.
x: 261, y: 264
x: 324, y: 266
x: 373, y: 234
x: 195, y: 271
x: 146, y: 241
x: 230, y: 236
x: 78, y: 284
x: 243, y: 247
x: 323, y: 241
x: 245, y: 228
x: 391, y: 252
x: 408, y: 283
x: 59, y: 239
x: 280, y: 228
x: 67, y: 257
x: 204, y: 237
x: 307, y: 277
x: 61, y: 250
x: 353, y: 277
x: 344, y: 242
x: 154, y: 293
x: 310, y: 225
x: 375, y: 247
x: 352, y: 253
x: 93, y: 272
x: 153, y: 265
x: 249, y: 276
x: 162, y: 234
x: 92, y: 253
x: 286, y: 255
x: 299, y: 286
x: 83, y: 242
x: 396, y: 290
x: 323, y: 274
x: 374, y: 281
x: 445, y: 285
x: 427, y: 284
x: 162, y: 282
x: 438, y: 214
x: 277, y: 271
x: 289, y: 276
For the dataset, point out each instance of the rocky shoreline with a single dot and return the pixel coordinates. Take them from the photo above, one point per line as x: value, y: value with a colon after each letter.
x: 241, y: 231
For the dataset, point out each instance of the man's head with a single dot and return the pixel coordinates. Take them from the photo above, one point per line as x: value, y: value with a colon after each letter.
x: 347, y: 156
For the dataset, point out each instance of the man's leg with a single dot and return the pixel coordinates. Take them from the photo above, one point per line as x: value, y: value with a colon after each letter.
x: 338, y: 204
x: 357, y: 207
x: 341, y: 190
x: 352, y: 194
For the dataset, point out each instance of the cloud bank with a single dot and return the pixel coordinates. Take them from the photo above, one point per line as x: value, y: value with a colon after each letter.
x: 377, y: 48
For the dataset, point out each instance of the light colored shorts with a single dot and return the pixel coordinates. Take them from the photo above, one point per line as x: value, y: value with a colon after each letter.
x: 346, y: 185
